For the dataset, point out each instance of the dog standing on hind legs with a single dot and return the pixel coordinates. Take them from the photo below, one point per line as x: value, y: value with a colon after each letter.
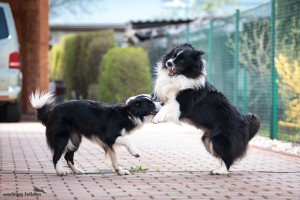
x: 187, y: 96
x: 104, y: 124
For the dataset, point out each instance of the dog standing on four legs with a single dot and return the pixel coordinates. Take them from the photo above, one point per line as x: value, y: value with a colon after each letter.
x: 104, y: 124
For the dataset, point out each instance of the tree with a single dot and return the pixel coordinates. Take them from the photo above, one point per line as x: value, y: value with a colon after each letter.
x: 58, y: 7
x: 288, y: 81
x: 288, y: 62
x: 254, y: 57
x: 193, y: 8
x: 208, y: 6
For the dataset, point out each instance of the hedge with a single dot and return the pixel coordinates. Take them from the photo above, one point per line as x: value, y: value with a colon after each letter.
x: 81, y: 59
x: 125, y: 73
x: 56, y: 61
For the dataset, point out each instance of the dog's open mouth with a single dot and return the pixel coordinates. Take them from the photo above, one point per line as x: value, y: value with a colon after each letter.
x: 153, y: 112
x: 172, y: 71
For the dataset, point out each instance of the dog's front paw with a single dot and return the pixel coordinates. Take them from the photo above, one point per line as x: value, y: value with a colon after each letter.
x: 168, y: 113
x: 136, y: 153
x: 158, y: 119
x: 133, y: 151
x: 160, y: 116
x: 170, y: 117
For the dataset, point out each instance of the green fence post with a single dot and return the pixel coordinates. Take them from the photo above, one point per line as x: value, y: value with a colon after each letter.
x: 236, y: 58
x: 152, y: 57
x: 273, y: 120
x: 168, y: 41
x: 210, y: 48
x: 151, y: 47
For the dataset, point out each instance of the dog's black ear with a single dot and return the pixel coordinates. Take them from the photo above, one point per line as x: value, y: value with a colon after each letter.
x: 188, y: 45
x: 170, y: 51
x: 198, y: 53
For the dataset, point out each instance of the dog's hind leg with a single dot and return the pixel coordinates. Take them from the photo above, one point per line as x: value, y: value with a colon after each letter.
x: 69, y: 156
x: 222, y: 149
x: 115, y: 163
x: 72, y: 147
x: 61, y: 143
x: 221, y: 170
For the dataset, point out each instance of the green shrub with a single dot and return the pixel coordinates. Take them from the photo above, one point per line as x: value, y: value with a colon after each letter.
x: 125, y: 73
x: 94, y: 60
x: 56, y: 54
x: 82, y: 56
x: 69, y: 63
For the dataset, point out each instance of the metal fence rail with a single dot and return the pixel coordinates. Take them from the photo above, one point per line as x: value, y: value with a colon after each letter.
x: 253, y: 58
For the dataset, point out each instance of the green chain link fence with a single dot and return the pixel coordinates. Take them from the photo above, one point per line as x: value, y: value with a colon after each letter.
x: 253, y: 58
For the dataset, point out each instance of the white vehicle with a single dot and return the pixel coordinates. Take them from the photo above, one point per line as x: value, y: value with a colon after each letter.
x: 10, y: 73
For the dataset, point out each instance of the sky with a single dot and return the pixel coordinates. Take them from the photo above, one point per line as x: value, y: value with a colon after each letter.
x: 122, y: 11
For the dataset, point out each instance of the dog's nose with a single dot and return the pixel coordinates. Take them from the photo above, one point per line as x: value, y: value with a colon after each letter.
x: 169, y: 64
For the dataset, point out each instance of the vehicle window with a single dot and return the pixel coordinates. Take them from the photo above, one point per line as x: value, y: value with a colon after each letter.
x: 3, y: 25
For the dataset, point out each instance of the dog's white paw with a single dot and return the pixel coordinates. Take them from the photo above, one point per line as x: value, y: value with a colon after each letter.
x: 121, y: 171
x: 168, y: 113
x: 136, y: 154
x: 75, y: 169
x: 134, y: 151
x: 219, y: 171
x: 61, y: 172
x: 159, y: 117
x: 169, y: 117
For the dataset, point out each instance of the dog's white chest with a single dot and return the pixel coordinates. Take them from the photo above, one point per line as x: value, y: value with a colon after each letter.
x: 167, y: 88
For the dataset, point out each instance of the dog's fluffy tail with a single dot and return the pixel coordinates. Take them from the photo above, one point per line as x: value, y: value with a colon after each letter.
x: 44, y: 103
x: 254, y: 125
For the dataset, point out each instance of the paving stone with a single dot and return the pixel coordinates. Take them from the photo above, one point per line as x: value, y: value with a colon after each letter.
x: 178, y: 168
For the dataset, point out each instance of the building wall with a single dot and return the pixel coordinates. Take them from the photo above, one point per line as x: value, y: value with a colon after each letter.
x: 31, y: 18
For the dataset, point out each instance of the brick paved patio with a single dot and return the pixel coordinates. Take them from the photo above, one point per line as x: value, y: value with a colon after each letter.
x: 177, y: 161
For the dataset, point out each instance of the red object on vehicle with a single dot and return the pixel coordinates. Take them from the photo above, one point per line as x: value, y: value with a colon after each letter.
x: 14, y: 62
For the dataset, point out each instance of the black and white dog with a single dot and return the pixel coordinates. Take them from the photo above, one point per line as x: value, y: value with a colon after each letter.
x: 187, y: 96
x: 105, y: 124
